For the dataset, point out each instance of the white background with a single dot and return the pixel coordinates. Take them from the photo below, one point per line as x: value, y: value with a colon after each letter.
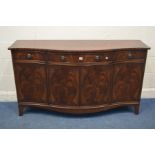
x: 77, y: 13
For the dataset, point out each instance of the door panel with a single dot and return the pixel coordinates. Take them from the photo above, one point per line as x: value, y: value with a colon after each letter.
x: 127, y: 81
x: 95, y: 84
x: 31, y: 82
x: 63, y: 85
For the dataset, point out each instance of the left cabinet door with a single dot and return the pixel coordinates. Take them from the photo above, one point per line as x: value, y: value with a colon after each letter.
x: 31, y: 82
x: 63, y: 85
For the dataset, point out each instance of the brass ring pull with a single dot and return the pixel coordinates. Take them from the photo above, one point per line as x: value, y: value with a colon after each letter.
x: 29, y: 56
x: 63, y: 58
x: 80, y: 58
x: 106, y: 58
x: 97, y: 57
x: 130, y: 55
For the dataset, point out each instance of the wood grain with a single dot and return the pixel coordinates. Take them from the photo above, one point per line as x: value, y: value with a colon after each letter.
x: 95, y: 85
x: 78, y: 45
x: 63, y: 83
x: 31, y: 82
x: 127, y: 81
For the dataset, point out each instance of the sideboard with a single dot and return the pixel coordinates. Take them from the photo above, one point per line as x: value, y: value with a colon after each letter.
x: 78, y: 76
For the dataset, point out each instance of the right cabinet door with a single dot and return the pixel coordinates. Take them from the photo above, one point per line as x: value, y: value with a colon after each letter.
x: 95, y: 85
x: 127, y: 81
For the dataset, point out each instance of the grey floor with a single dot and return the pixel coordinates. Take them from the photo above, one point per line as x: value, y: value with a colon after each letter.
x: 121, y: 118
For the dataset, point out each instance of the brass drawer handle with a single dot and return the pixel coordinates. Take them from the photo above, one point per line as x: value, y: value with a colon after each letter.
x: 29, y: 56
x: 80, y: 58
x: 62, y: 58
x: 130, y: 55
x: 97, y: 57
x: 106, y: 58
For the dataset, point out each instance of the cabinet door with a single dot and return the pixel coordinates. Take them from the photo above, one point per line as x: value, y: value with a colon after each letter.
x: 127, y: 81
x: 31, y: 82
x: 63, y: 85
x: 95, y: 84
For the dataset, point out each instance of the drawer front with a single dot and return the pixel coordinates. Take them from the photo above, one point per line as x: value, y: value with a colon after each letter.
x: 129, y: 55
x: 80, y: 58
x: 65, y: 58
x: 22, y: 55
x: 104, y: 57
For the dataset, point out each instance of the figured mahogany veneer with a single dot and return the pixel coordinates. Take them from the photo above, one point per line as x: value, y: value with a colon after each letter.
x: 78, y: 76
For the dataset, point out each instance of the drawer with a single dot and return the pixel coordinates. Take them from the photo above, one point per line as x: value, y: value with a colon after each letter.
x: 24, y: 55
x: 129, y: 55
x: 80, y: 58
x: 104, y: 57
x: 63, y: 57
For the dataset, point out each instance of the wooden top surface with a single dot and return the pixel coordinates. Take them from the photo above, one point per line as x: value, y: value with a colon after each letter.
x: 78, y: 45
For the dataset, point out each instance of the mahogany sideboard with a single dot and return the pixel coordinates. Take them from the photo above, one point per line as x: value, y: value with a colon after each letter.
x: 78, y: 76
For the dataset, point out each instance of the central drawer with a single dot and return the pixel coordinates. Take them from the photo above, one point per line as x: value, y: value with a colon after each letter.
x: 80, y: 58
